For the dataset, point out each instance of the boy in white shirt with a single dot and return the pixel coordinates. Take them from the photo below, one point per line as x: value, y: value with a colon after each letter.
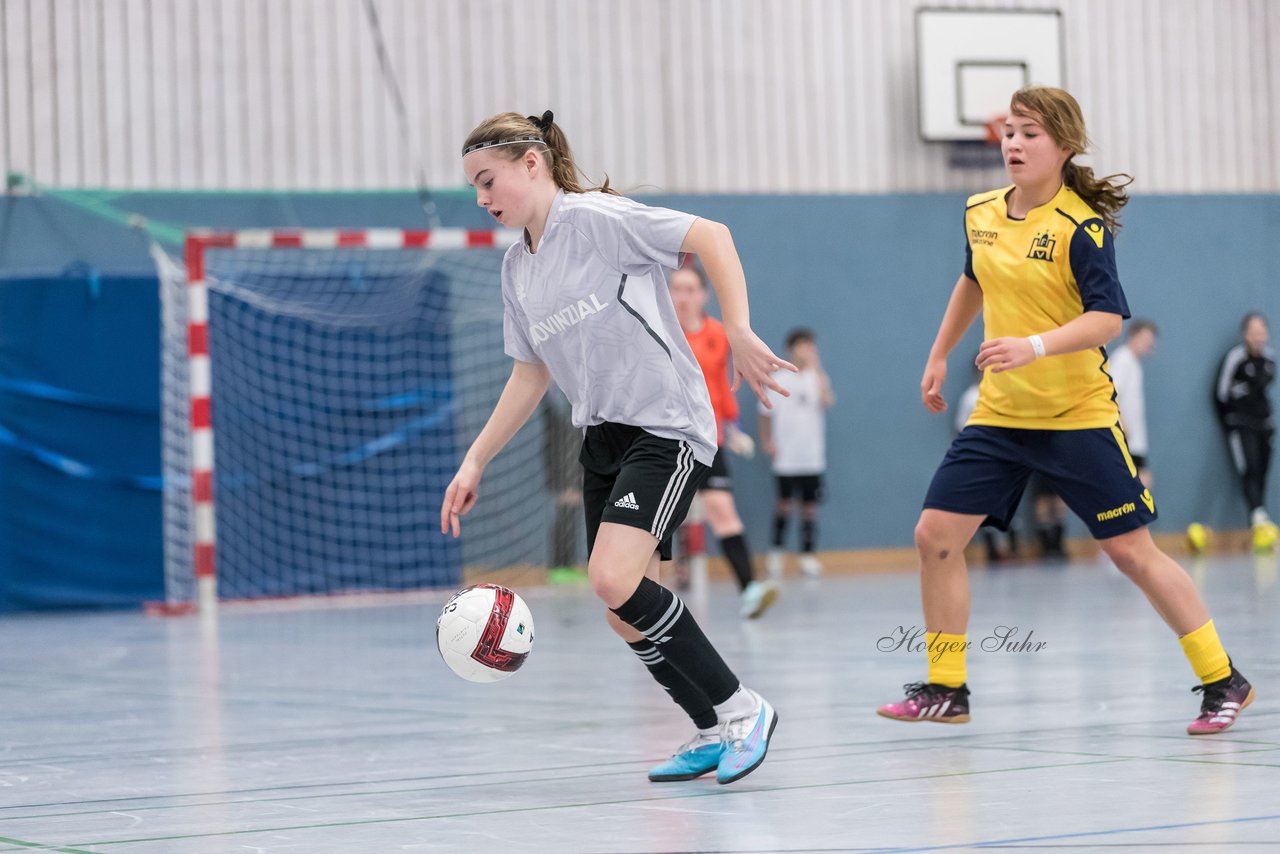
x: 1125, y: 367
x: 793, y: 433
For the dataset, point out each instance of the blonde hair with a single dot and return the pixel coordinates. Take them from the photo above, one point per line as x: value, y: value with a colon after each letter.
x: 1059, y: 114
x: 511, y: 135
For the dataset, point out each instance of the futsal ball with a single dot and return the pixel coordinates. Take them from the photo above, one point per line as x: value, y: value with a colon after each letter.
x: 1264, y: 537
x: 1197, y: 538
x: 484, y: 633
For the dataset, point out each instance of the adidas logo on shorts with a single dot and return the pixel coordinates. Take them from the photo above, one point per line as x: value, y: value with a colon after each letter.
x: 627, y: 502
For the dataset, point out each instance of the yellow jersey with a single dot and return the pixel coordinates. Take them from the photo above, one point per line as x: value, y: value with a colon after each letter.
x: 1037, y: 274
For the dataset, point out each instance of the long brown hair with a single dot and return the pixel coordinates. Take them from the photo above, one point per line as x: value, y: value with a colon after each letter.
x: 1059, y: 114
x: 512, y: 135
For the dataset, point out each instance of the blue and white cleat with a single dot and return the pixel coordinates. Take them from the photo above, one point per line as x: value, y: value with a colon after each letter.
x: 746, y: 740
x: 693, y: 759
x: 757, y: 597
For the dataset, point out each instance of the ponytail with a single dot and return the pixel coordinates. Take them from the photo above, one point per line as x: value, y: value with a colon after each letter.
x: 1105, y: 195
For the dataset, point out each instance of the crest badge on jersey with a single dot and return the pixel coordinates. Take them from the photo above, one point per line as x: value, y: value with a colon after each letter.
x: 1042, y: 246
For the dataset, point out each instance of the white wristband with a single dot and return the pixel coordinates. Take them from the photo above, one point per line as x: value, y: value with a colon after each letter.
x: 1037, y: 344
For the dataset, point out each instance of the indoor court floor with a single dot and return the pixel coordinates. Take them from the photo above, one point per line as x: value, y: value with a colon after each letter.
x: 338, y: 729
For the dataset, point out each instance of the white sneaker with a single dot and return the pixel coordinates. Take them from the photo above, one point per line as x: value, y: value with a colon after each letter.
x: 757, y: 597
x: 773, y: 565
x: 745, y: 740
x: 809, y: 566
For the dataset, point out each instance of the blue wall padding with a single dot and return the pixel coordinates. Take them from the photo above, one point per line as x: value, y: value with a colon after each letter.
x: 79, y: 441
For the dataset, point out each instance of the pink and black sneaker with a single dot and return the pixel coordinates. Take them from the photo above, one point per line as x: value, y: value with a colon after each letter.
x: 929, y: 701
x: 1223, y: 702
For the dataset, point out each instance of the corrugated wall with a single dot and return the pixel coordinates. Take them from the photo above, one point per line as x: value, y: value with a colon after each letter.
x: 678, y: 95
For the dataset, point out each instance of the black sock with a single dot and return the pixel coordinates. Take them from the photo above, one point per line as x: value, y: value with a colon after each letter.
x: 660, y: 616
x: 735, y: 551
x: 809, y: 535
x: 687, y: 695
x: 1055, y: 539
x: 779, y: 531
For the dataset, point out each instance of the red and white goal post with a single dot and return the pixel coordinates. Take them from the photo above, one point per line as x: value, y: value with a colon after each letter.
x: 345, y: 371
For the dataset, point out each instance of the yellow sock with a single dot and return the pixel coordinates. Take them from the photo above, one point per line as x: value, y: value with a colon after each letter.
x: 1204, y: 651
x: 946, y: 658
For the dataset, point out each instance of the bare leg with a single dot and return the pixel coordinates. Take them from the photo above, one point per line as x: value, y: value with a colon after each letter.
x: 722, y: 513
x: 944, y: 577
x: 627, y: 633
x: 1163, y: 580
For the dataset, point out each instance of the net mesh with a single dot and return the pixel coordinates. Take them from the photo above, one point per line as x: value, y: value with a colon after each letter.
x: 346, y: 385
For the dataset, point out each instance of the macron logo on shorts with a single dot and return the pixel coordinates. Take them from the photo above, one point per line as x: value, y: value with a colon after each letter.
x: 627, y: 502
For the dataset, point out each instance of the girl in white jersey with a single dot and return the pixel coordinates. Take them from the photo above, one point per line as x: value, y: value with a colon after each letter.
x: 586, y: 304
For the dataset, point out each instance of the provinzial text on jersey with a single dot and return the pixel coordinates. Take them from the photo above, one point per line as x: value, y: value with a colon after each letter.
x: 570, y: 315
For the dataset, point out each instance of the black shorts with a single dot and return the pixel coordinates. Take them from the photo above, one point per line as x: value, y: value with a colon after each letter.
x: 718, y: 476
x: 807, y: 486
x: 632, y: 477
x: 986, y: 470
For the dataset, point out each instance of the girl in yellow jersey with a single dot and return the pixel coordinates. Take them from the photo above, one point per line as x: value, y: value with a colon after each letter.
x: 1040, y: 266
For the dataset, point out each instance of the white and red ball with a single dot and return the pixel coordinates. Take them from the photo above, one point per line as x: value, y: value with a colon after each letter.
x: 484, y: 633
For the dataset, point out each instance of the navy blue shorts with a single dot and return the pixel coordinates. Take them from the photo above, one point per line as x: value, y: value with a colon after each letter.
x: 986, y: 470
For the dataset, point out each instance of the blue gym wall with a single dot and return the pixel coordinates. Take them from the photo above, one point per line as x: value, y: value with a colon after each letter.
x: 870, y: 274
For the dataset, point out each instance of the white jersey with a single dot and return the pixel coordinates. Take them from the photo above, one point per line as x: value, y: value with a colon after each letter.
x: 593, y: 306
x: 1126, y: 372
x: 799, y: 424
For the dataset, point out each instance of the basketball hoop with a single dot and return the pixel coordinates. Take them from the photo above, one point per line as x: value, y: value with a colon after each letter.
x: 981, y: 153
x: 995, y: 128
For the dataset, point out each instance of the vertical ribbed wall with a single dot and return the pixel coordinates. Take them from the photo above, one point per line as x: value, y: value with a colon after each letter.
x: 679, y: 95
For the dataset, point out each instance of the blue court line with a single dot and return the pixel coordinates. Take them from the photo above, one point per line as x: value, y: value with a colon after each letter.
x: 995, y: 843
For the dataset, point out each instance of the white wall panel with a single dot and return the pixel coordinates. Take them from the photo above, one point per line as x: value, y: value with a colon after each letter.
x: 678, y: 95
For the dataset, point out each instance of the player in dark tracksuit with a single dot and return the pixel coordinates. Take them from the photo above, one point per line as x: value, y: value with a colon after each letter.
x: 1244, y: 411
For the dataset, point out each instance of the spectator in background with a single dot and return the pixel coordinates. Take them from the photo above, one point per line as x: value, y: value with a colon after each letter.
x: 1244, y: 411
x: 1125, y: 367
x: 794, y: 434
x: 1051, y: 518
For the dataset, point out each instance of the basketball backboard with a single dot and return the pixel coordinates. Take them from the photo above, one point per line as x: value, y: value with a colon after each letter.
x: 969, y: 61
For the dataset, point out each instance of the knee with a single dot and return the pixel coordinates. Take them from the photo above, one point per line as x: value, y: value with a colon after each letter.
x: 1127, y: 554
x: 724, y: 519
x: 784, y: 507
x: 928, y: 535
x: 934, y: 540
x: 605, y: 584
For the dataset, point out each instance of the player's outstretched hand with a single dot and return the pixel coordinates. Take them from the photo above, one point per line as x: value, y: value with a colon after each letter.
x: 1005, y: 354
x: 754, y: 362
x: 935, y: 374
x: 460, y: 497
